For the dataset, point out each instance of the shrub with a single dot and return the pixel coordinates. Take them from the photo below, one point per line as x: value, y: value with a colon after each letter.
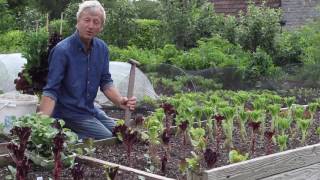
x: 258, y: 27
x: 12, y: 41
x: 260, y: 66
x: 54, y: 26
x: 185, y: 22
x: 120, y: 25
x: 213, y: 52
x: 288, y: 48
x: 147, y: 9
x: 143, y: 56
x: 147, y: 34
x: 310, y: 37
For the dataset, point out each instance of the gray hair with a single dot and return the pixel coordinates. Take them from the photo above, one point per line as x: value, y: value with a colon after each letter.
x: 91, y: 4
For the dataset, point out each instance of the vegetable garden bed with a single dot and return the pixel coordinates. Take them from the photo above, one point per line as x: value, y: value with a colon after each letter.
x: 189, y: 152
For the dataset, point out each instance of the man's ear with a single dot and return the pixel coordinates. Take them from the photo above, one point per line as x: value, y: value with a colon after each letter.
x: 101, y: 29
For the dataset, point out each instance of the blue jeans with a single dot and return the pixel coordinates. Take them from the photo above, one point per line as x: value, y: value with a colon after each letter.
x: 99, y: 127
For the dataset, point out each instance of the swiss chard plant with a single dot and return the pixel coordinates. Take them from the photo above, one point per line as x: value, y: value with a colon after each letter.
x: 33, y: 77
x: 17, y: 148
x: 269, y: 136
x: 77, y: 171
x: 219, y: 118
x: 254, y: 124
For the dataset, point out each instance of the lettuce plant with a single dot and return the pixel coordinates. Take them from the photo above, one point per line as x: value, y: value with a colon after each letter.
x: 229, y: 114
x: 208, y: 112
x: 274, y: 110
x: 243, y: 118
x: 198, y: 140
x: 154, y: 128
x: 235, y: 156
x: 282, y: 141
x: 303, y: 125
x: 312, y: 108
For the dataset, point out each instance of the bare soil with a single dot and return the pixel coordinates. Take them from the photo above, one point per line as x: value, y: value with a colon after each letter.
x: 138, y: 159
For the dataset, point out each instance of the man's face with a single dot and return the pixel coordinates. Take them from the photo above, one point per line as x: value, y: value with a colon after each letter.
x: 89, y: 24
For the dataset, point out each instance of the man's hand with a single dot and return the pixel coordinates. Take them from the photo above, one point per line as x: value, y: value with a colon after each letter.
x: 128, y: 103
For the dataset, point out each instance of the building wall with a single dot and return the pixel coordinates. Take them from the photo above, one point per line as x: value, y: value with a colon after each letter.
x: 298, y: 12
x: 295, y: 12
x: 233, y: 7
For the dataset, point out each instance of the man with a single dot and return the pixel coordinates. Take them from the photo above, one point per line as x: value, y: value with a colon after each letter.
x: 78, y: 66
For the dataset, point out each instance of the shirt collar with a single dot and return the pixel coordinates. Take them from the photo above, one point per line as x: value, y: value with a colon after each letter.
x: 79, y: 43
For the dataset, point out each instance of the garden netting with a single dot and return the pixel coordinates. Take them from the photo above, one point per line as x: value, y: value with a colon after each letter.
x: 10, y: 66
x: 302, y: 81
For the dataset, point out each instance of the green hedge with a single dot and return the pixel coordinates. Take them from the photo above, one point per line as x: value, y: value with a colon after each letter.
x: 147, y: 34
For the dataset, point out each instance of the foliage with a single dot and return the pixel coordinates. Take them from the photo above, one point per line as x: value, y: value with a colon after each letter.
x: 54, y: 26
x: 54, y: 8
x: 185, y: 22
x: 132, y: 52
x: 40, y: 144
x: 260, y: 66
x: 235, y: 156
x: 34, y: 75
x: 288, y: 48
x: 69, y: 14
x: 18, y: 146
x: 147, y: 9
x: 310, y: 37
x: 7, y: 17
x: 12, y: 41
x: 258, y: 27
x: 213, y: 52
x: 120, y: 26
x: 147, y: 35
x: 31, y: 19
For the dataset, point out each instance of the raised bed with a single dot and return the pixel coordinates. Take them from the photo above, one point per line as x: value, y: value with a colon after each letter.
x: 298, y: 163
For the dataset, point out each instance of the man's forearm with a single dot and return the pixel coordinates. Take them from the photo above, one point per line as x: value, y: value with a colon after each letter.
x: 46, y: 105
x: 113, y: 95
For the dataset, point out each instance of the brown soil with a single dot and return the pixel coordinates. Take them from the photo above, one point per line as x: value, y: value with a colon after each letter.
x: 118, y: 154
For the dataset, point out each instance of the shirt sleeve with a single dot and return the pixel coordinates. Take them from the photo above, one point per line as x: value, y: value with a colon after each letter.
x: 106, y: 80
x: 57, y: 66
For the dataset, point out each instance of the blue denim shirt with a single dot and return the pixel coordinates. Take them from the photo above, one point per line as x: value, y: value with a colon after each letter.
x: 75, y: 76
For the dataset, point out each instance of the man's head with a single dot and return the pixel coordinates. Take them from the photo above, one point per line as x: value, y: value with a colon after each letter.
x: 90, y: 19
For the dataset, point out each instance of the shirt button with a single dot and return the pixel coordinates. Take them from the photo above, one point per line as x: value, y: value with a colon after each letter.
x: 88, y: 82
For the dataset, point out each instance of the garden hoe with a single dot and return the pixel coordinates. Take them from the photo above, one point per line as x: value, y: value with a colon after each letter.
x: 127, y: 116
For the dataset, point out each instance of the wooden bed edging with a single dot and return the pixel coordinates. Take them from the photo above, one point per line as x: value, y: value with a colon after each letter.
x: 310, y: 173
x: 3, y: 148
x: 5, y: 160
x: 266, y: 166
x: 90, y: 161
